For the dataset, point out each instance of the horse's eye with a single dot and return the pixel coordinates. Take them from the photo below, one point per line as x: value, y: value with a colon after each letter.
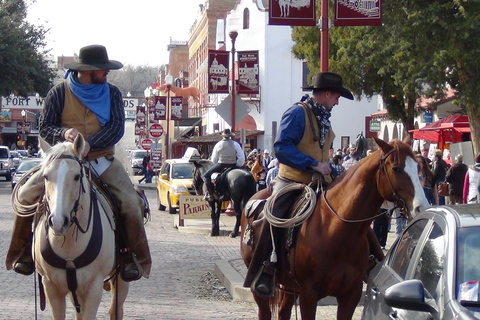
x: 397, y: 170
x: 45, y: 177
x: 77, y: 177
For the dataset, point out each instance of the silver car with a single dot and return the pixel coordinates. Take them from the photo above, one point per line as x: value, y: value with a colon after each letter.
x: 24, y: 166
x: 432, y: 271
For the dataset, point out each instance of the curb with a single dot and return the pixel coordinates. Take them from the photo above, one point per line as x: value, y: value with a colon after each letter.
x: 233, y: 281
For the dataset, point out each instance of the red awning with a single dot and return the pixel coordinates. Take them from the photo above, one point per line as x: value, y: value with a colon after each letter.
x: 448, y: 129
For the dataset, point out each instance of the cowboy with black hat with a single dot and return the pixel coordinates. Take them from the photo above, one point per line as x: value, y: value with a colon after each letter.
x: 86, y: 103
x: 226, y: 153
x: 304, y: 139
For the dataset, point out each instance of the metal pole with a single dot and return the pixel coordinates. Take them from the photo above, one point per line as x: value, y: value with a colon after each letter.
x: 167, y: 136
x: 233, y: 35
x: 324, y: 36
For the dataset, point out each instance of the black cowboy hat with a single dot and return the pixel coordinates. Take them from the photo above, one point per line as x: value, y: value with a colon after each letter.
x: 93, y: 57
x: 227, y: 133
x: 330, y: 81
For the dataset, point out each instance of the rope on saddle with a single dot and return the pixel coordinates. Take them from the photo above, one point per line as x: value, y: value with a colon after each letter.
x: 26, y: 210
x: 302, y: 209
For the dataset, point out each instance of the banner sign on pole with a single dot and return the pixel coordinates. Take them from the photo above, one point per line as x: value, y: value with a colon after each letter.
x: 140, y: 115
x: 358, y: 13
x: 176, y: 104
x: 160, y: 108
x: 218, y: 71
x: 248, y: 72
x: 292, y: 13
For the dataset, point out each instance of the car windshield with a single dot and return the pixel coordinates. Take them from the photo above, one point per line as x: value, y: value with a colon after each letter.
x: 27, y: 165
x: 182, y: 171
x: 468, y: 264
x: 138, y: 155
x: 23, y: 153
x: 3, y: 153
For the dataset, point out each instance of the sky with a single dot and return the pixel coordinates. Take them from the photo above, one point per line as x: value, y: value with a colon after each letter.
x: 134, y: 32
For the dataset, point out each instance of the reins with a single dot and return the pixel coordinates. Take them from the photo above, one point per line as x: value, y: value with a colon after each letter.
x: 397, y: 199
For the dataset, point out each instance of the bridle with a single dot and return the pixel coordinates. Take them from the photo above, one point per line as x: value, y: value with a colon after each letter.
x: 396, y: 198
x: 81, y: 190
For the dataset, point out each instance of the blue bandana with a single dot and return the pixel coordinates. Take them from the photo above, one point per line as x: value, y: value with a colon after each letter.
x: 96, y: 97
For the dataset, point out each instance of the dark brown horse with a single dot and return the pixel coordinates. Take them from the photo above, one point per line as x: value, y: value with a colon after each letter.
x: 330, y: 257
x: 239, y: 187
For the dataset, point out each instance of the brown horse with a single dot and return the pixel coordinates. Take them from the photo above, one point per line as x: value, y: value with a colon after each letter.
x: 330, y: 257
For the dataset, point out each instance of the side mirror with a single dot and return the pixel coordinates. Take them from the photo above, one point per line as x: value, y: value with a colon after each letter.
x: 410, y: 295
x: 164, y: 176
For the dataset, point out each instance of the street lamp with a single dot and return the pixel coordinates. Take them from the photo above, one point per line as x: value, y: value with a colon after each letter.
x: 169, y: 82
x: 233, y: 23
x: 24, y: 115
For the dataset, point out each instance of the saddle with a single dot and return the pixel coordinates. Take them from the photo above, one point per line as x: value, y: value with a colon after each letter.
x: 219, y: 181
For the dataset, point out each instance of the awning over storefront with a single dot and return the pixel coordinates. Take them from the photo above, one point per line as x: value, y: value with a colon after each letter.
x: 452, y: 129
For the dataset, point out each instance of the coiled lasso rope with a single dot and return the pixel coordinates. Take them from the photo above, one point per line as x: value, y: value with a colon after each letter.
x: 302, y: 208
x: 25, y: 210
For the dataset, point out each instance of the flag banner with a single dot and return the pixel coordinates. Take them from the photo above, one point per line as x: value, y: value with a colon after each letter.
x: 140, y: 115
x: 292, y: 13
x: 160, y: 108
x: 248, y: 72
x: 176, y: 107
x: 358, y: 13
x: 218, y: 71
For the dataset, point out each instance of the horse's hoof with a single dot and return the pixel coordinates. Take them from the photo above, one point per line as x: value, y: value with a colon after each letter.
x: 233, y: 234
x: 214, y: 234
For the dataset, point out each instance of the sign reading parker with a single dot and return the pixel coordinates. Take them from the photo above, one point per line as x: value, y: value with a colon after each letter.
x: 176, y: 107
x: 358, y: 13
x: 292, y: 13
x: 218, y: 71
x: 248, y: 72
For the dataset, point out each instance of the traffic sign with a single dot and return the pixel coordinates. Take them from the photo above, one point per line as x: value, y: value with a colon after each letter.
x: 156, y: 130
x: 146, y: 143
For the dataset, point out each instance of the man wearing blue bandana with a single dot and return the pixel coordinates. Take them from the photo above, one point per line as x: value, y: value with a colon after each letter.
x: 86, y: 103
x: 304, y: 139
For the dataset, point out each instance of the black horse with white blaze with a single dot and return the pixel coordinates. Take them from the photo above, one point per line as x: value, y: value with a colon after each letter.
x: 238, y: 187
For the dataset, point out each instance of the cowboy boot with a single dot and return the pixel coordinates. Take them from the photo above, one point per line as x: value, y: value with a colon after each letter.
x: 209, y: 194
x: 138, y: 261
x: 19, y: 255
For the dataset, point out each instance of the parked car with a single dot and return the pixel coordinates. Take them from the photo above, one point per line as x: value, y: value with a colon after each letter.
x: 136, y: 159
x: 24, y: 166
x: 432, y: 270
x: 16, y: 158
x: 176, y: 176
x: 6, y: 163
x: 23, y: 154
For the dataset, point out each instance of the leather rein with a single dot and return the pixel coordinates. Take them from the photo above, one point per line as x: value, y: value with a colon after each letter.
x: 397, y: 199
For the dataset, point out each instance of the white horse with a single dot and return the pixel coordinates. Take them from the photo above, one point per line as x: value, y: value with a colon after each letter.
x: 74, y: 244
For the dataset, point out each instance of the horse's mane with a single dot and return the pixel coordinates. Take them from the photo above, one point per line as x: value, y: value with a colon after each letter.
x: 56, y: 151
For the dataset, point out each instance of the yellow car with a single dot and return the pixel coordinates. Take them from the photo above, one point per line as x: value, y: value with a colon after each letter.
x: 175, y: 179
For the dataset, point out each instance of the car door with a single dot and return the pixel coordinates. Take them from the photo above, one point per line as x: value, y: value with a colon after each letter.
x: 393, y: 270
x: 164, y: 184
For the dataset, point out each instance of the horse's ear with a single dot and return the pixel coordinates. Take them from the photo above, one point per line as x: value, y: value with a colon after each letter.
x: 79, y: 145
x: 408, y: 140
x: 383, y: 145
x: 44, y: 146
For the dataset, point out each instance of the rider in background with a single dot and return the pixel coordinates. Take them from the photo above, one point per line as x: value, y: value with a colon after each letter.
x: 226, y: 153
x: 86, y: 103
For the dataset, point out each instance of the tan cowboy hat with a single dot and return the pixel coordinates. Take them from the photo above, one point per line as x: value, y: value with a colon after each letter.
x: 93, y: 57
x: 227, y: 133
x: 330, y: 81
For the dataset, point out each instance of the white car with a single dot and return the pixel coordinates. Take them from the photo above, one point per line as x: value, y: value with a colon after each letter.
x: 24, y: 166
x: 136, y: 160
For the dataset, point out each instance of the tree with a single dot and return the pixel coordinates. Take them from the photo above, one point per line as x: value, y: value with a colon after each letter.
x: 418, y: 51
x: 23, y: 66
x: 135, y: 79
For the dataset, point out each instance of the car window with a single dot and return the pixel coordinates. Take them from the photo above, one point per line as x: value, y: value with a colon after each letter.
x: 405, y: 247
x: 3, y: 153
x: 468, y: 257
x: 430, y: 265
x: 182, y: 171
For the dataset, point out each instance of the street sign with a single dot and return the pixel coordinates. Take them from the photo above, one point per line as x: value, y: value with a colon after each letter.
x: 146, y: 143
x: 374, y: 126
x: 156, y: 158
x: 156, y: 130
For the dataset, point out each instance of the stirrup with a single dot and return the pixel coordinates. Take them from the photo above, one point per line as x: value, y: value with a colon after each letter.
x: 264, y: 283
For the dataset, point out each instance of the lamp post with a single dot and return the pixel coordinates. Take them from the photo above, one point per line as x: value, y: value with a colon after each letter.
x: 24, y: 115
x: 169, y: 82
x: 233, y: 35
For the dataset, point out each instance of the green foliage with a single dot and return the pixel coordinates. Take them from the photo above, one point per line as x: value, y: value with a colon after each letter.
x: 23, y: 67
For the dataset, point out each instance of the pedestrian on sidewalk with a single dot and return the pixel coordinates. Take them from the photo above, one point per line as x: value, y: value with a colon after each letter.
x: 146, y: 170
